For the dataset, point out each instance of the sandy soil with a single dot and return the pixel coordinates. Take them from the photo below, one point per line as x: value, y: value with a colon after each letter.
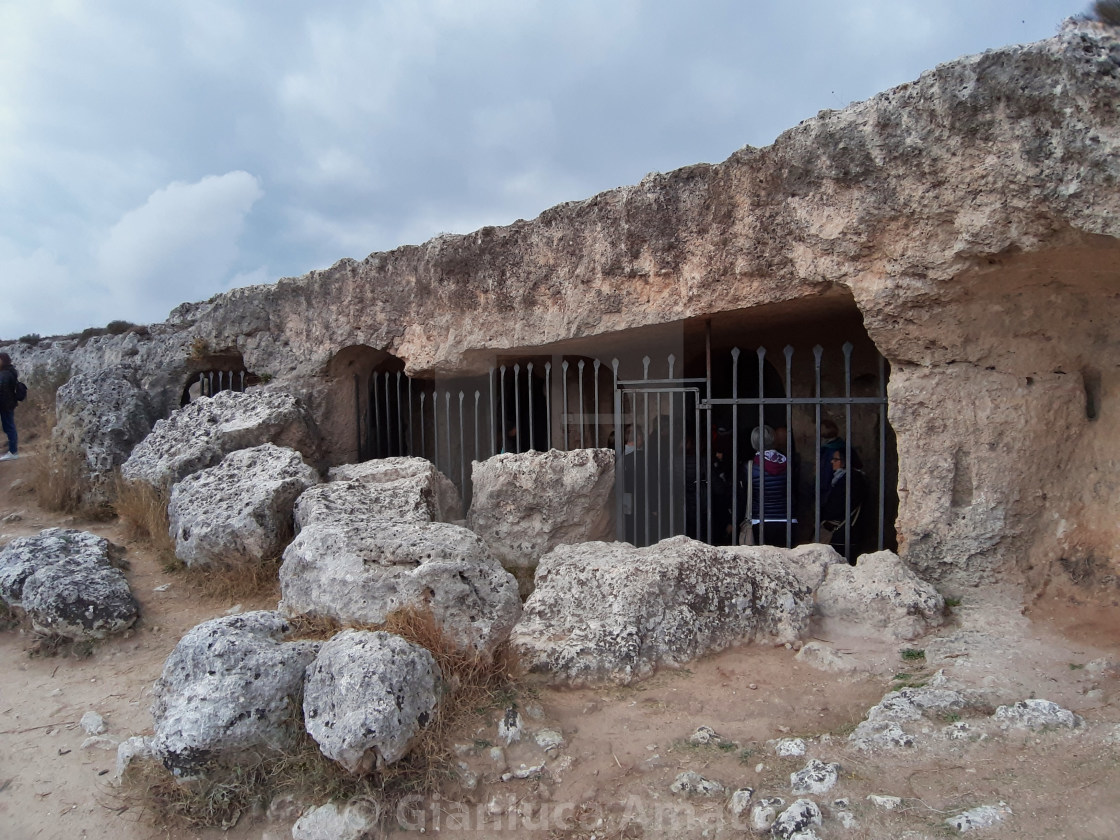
x: 622, y: 747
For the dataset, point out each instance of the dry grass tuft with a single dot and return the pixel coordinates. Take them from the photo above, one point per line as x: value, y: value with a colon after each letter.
x: 59, y: 482
x: 143, y: 509
x: 233, y: 582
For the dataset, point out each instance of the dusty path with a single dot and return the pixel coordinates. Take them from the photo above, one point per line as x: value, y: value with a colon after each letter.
x: 623, y: 747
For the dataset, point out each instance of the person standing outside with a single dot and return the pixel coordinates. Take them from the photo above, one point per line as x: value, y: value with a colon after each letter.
x: 8, y: 400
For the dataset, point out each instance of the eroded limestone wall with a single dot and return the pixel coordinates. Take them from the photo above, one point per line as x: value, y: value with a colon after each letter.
x: 973, y: 215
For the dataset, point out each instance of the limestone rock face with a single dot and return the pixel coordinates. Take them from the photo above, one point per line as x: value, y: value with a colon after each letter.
x: 67, y: 583
x: 809, y: 563
x: 882, y: 595
x: 609, y: 612
x: 359, y: 569
x: 366, y: 697
x: 436, y: 489
x: 525, y: 505
x: 231, y: 685
x: 100, y: 417
x: 240, y: 511
x: 204, y: 431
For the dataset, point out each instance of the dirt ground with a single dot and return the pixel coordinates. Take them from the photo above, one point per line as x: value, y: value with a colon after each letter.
x: 622, y: 748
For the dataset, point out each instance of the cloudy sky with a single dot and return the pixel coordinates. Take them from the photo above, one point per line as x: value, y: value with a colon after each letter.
x: 154, y: 153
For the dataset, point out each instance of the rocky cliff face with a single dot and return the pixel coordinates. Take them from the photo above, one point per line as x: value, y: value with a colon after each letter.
x: 972, y: 215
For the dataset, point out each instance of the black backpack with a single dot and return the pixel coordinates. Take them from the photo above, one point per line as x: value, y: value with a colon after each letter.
x: 21, y: 391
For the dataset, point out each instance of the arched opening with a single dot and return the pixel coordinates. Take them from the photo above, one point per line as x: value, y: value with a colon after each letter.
x: 211, y: 371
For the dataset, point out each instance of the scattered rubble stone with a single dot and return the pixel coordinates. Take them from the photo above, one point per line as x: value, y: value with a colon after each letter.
x: 417, y: 476
x: 797, y: 821
x: 354, y: 820
x: 691, y: 783
x: 1037, y: 714
x: 816, y: 778
x: 887, y: 803
x: 985, y: 816
x: 704, y: 735
x: 740, y: 802
x: 92, y: 723
x: 789, y: 747
x: 510, y: 726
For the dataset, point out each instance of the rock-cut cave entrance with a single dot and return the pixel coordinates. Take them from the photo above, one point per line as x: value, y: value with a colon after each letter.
x: 725, y: 428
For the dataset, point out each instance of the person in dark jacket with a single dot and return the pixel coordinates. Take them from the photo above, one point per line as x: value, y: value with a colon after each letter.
x: 8, y: 401
x: 840, y: 511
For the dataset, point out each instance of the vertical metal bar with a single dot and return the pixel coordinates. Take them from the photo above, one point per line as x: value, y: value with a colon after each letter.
x: 447, y: 432
x: 672, y: 453
x: 735, y: 451
x: 435, y: 425
x: 847, y: 348
x: 400, y: 415
x: 532, y: 416
x: 645, y: 444
x: 462, y: 451
x: 242, y: 381
x: 388, y: 423
x: 423, y: 435
x: 564, y: 390
x: 619, y: 468
x: 582, y: 403
x: 548, y: 405
x: 517, y: 403
x: 882, y: 451
x: 708, y: 442
x: 788, y: 352
x: 477, y: 397
x: 818, y: 351
x: 358, y: 414
x: 375, y: 449
x: 493, y: 438
x: 411, y: 432
x: 502, y: 391
x: 595, y: 373
x: 762, y: 447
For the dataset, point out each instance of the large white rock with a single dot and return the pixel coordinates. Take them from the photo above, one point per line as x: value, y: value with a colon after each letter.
x: 524, y: 505
x: 205, y: 430
x: 99, y: 418
x: 67, y: 583
x: 437, y: 491
x: 231, y: 685
x: 366, y: 697
x: 880, y: 595
x: 610, y: 612
x: 355, y: 820
x: 358, y: 569
x: 240, y: 511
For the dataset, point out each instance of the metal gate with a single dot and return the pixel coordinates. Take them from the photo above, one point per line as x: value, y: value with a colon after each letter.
x: 685, y: 459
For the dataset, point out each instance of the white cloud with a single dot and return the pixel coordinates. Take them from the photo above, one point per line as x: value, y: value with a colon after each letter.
x: 181, y: 245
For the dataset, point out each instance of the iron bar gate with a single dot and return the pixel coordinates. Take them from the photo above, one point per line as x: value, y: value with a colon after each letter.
x: 686, y: 462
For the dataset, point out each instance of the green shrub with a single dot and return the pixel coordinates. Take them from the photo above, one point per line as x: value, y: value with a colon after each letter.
x: 31, y: 339
x: 119, y: 327
x: 1107, y: 11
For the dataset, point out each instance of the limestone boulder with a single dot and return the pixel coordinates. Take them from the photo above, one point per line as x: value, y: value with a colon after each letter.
x: 366, y: 697
x: 231, y: 686
x: 205, y: 430
x: 358, y: 568
x: 880, y: 595
x: 809, y: 563
x: 68, y: 583
x: 524, y: 505
x: 240, y: 511
x: 404, y: 500
x: 100, y: 417
x: 437, y: 491
x: 610, y: 612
